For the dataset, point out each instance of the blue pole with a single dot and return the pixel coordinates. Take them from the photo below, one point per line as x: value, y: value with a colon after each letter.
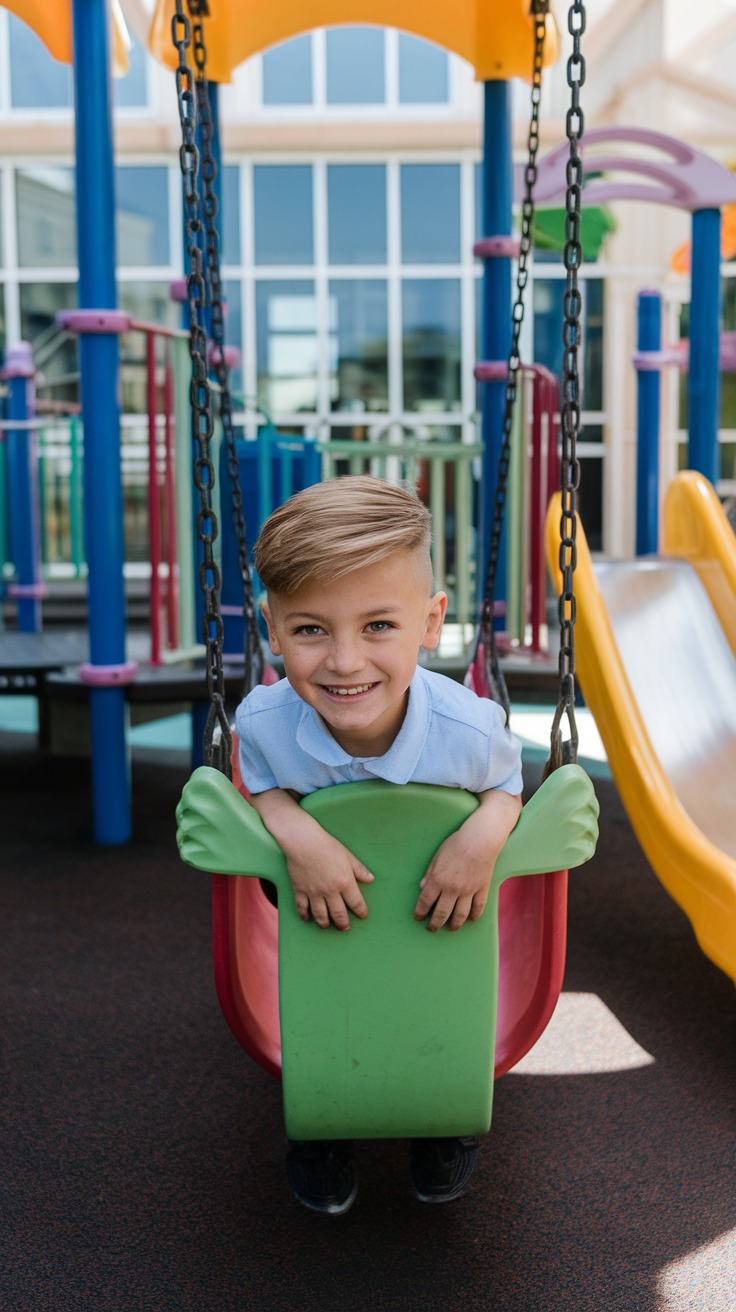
x: 497, y: 182
x: 647, y: 427
x: 704, y: 390
x: 22, y: 484
x: 103, y: 498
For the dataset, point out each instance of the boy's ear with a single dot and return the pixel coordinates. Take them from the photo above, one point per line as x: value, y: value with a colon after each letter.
x: 435, y: 620
x: 273, y: 641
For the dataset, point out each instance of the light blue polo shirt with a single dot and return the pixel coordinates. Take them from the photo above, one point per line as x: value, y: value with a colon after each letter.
x: 449, y: 737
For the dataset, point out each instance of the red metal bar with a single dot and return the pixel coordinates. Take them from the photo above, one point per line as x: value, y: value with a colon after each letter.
x: 536, y: 544
x: 172, y: 589
x: 154, y: 504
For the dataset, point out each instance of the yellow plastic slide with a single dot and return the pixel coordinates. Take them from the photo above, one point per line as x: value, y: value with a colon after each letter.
x: 656, y: 658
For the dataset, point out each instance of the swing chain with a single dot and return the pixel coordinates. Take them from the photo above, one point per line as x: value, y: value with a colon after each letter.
x: 216, y: 752
x: 565, y: 753
x: 494, y: 675
x: 253, y: 651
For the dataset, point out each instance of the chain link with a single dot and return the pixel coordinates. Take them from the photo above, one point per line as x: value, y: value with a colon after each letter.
x: 494, y: 675
x: 564, y: 753
x: 253, y: 651
x: 217, y: 752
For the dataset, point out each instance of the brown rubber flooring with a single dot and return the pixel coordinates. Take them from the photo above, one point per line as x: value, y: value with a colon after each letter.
x: 141, y: 1151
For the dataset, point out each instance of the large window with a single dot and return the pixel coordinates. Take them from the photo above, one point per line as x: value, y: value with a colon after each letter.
x: 287, y: 73
x: 288, y: 346
x: 422, y: 72
x: 355, y: 66
x: 37, y: 81
x: 46, y: 213
x: 356, y: 201
x: 283, y: 213
x: 430, y: 213
x: 431, y: 344
x: 142, y: 216
x: 359, y: 344
x: 355, y: 72
x: 130, y: 91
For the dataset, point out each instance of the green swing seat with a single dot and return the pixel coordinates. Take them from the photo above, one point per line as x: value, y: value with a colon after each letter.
x: 387, y: 1031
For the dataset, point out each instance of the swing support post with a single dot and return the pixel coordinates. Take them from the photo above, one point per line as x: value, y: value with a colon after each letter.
x: 497, y: 185
x: 704, y: 382
x: 103, y: 497
x: 649, y: 333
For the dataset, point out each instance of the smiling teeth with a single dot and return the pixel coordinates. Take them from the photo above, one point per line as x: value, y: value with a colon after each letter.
x: 350, y: 692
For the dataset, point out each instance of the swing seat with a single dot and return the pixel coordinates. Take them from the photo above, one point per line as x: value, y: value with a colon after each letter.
x: 387, y: 1031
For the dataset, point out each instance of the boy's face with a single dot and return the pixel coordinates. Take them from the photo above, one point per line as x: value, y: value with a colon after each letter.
x: 350, y: 647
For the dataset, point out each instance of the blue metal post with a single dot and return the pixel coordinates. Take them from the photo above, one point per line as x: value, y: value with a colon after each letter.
x: 497, y: 185
x: 647, y: 427
x: 22, y: 484
x: 103, y: 500
x: 704, y: 391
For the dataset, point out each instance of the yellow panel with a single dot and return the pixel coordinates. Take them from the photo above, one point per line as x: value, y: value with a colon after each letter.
x: 495, y: 36
x: 51, y: 20
x: 695, y: 527
x: 699, y: 876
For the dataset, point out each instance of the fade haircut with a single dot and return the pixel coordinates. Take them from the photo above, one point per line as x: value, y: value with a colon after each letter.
x: 331, y: 529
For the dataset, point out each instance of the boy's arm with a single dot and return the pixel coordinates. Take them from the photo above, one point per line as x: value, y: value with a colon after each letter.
x: 324, y: 874
x: 459, y: 875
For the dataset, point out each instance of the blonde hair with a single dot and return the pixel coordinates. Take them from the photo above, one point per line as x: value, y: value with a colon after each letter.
x: 331, y: 529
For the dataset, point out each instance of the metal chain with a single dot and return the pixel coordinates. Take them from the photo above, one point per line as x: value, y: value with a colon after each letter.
x: 564, y: 753
x: 253, y: 671
x: 217, y: 753
x: 494, y: 675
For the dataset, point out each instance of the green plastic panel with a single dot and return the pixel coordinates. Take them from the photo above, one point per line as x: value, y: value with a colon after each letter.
x: 388, y: 1030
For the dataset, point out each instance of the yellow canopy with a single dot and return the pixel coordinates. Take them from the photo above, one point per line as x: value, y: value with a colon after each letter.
x: 51, y: 20
x: 495, y: 36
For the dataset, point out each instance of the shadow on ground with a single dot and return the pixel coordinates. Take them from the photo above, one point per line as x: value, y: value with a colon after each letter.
x: 142, y: 1149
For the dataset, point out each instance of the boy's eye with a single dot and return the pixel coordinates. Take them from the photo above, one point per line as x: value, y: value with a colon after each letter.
x: 309, y: 630
x: 378, y: 626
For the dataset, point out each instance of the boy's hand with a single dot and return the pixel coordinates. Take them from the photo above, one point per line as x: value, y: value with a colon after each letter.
x: 459, y: 875
x: 324, y: 874
x: 325, y: 877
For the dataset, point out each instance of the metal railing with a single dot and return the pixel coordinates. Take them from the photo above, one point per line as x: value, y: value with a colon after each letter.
x: 440, y: 472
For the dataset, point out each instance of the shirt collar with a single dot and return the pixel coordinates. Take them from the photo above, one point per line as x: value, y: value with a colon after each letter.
x: 397, y: 765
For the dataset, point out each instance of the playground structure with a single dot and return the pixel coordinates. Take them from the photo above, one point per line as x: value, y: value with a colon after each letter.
x: 497, y: 251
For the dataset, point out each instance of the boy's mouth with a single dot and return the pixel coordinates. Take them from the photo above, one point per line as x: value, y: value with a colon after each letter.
x: 342, y: 692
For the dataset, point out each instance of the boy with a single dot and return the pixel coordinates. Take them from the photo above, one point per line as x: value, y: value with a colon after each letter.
x: 348, y: 575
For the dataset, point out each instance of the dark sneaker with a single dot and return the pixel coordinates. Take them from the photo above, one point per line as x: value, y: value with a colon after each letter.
x: 322, y: 1174
x: 441, y: 1168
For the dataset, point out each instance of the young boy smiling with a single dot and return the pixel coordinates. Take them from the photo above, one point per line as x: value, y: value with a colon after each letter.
x: 348, y: 575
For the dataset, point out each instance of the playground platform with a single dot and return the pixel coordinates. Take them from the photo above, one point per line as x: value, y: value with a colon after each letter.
x: 142, y: 1150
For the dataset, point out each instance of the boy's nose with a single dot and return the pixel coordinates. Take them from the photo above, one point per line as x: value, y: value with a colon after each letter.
x: 345, y: 658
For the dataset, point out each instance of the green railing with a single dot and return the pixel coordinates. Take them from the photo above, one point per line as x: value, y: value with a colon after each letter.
x: 441, y: 473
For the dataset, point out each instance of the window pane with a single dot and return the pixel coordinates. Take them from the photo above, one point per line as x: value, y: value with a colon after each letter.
x: 430, y: 213
x: 355, y: 66
x: 39, y: 304
x: 590, y: 500
x: 549, y: 294
x: 2, y: 318
x: 142, y: 215
x: 593, y: 344
x: 431, y: 346
x: 422, y: 72
x: 356, y: 204
x: 283, y: 213
x: 130, y: 91
x: 233, y: 329
x: 358, y: 344
x: 151, y: 303
x: 230, y: 228
x: 287, y: 73
x: 47, y: 231
x: 286, y: 346
x: 478, y: 181
x: 37, y: 81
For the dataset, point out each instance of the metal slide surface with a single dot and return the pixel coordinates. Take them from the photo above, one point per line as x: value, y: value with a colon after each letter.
x: 657, y: 666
